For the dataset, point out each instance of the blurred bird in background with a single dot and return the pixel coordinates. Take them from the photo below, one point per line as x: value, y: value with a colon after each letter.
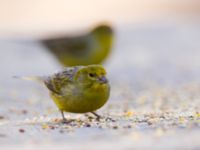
x: 90, y: 48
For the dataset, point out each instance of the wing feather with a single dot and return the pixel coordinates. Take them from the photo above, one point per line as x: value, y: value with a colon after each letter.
x: 60, y: 80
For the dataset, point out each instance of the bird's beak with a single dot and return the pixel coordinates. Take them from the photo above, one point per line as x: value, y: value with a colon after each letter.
x: 103, y: 79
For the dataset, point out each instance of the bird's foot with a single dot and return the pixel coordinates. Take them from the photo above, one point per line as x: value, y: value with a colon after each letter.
x: 98, y: 117
x: 65, y: 121
x: 110, y: 119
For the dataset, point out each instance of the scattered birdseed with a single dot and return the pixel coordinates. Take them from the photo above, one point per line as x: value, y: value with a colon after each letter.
x: 129, y: 113
x: 198, y: 114
x: 115, y: 127
x: 45, y: 126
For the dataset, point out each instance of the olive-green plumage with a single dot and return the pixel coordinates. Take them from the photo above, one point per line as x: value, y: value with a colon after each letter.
x: 79, y: 89
x: 90, y: 48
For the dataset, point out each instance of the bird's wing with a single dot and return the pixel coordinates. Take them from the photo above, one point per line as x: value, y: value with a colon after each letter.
x: 61, y: 80
x: 66, y: 45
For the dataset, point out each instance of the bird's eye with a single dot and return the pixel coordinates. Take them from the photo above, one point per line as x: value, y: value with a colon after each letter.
x: 92, y: 75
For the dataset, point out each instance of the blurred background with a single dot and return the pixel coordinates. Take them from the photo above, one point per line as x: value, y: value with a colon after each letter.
x: 37, y: 18
x: 156, y: 43
x: 148, y: 33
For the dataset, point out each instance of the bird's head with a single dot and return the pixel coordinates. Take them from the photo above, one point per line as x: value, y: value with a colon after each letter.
x: 103, y: 30
x: 104, y: 36
x: 91, y: 74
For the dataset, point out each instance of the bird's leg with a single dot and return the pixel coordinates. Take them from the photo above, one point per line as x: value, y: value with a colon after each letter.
x: 64, y: 120
x: 98, y: 116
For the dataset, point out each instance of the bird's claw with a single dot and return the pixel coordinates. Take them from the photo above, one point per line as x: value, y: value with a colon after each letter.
x: 65, y: 121
x: 109, y: 119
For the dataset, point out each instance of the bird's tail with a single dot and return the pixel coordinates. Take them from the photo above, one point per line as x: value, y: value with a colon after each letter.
x: 39, y: 79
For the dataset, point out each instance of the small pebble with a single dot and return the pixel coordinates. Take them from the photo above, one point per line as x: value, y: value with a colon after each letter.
x: 128, y: 127
x: 61, y: 131
x: 2, y: 135
x: 24, y: 111
x: 21, y: 130
x: 2, y: 117
x: 52, y: 127
x: 88, y: 125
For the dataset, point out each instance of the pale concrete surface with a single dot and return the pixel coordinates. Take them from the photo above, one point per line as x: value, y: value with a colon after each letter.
x: 154, y: 103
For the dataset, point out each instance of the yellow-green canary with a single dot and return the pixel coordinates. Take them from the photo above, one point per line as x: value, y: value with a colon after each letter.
x: 90, y: 48
x: 79, y: 89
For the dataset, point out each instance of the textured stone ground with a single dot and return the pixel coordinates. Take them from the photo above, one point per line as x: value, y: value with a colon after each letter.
x: 154, y: 103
